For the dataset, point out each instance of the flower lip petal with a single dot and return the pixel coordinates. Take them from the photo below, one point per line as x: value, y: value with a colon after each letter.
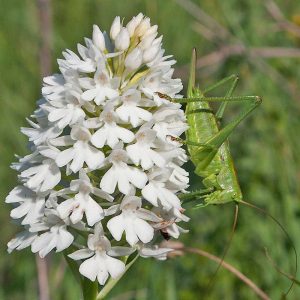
x: 89, y: 268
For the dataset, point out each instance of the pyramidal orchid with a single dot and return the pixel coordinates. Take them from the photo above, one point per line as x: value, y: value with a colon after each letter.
x: 103, y: 175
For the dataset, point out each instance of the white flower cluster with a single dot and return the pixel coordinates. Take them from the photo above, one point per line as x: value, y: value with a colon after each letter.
x: 104, y: 168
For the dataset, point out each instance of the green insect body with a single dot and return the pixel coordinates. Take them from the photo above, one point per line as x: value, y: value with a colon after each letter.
x: 207, y: 144
x: 215, y: 166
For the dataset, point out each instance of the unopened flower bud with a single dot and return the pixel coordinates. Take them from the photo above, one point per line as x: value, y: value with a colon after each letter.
x: 122, y: 40
x: 149, y: 54
x: 147, y: 41
x: 143, y: 27
x: 151, y: 30
x: 134, y: 59
x: 98, y: 38
x: 115, y: 28
x: 131, y: 26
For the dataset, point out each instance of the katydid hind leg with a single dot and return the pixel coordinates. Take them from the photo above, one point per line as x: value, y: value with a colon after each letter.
x: 218, y: 139
x: 220, y: 112
x: 220, y: 83
x: 206, y: 154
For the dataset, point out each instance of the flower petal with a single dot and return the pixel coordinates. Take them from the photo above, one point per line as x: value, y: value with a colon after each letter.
x: 109, y: 181
x: 64, y: 157
x: 93, y: 157
x: 120, y: 251
x: 99, y: 137
x: 137, y: 177
x: 89, y: 268
x: 116, y: 227
x: 114, y: 266
x: 64, y: 239
x: 93, y: 212
x: 81, y: 254
x: 64, y: 209
x: 144, y: 231
x: 89, y: 95
x: 131, y: 236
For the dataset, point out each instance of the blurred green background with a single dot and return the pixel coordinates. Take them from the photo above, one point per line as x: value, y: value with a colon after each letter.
x: 260, y: 41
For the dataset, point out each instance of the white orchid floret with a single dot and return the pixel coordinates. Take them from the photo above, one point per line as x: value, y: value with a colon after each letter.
x: 39, y: 134
x: 142, y: 27
x: 40, y: 115
x: 100, y: 263
x: 89, y: 52
x: 179, y: 179
x: 102, y: 87
x: 54, y: 87
x: 166, y: 129
x: 82, y: 202
x: 130, y: 111
x: 55, y: 234
x: 110, y: 133
x: 68, y: 110
x: 169, y: 114
x: 69, y: 115
x: 81, y: 151
x: 154, y: 82
x: 31, y: 205
x: 158, y: 194
x: 148, y: 37
x: 43, y: 177
x: 27, y: 161
x: 105, y: 148
x: 22, y: 240
x: 142, y: 152
x: 175, y: 157
x: 122, y: 175
x: 74, y: 62
x: 133, y: 220
x: 57, y: 237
